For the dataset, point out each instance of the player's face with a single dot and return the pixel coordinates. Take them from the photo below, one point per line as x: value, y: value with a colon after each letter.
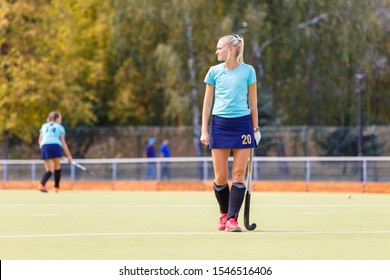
x: 222, y: 50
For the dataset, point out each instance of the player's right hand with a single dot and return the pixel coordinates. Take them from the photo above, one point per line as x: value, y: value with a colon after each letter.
x: 205, y: 138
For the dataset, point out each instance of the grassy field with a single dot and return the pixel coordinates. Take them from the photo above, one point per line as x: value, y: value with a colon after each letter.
x: 73, y: 225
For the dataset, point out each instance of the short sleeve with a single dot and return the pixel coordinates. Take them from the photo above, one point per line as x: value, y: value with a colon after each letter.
x: 210, y: 77
x: 62, y: 130
x: 252, y: 76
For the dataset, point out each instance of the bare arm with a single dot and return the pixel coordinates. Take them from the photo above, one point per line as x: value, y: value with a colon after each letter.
x: 40, y: 139
x: 65, y: 148
x: 252, y: 96
x: 206, y: 112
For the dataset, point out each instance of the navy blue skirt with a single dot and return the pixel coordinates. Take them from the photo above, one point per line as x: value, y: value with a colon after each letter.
x: 49, y: 151
x: 232, y: 133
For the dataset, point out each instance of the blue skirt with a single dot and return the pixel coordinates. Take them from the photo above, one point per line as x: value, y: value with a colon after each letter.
x: 232, y: 133
x: 49, y: 151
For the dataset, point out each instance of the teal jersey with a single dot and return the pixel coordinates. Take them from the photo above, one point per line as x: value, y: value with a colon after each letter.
x: 231, y: 89
x: 51, y: 133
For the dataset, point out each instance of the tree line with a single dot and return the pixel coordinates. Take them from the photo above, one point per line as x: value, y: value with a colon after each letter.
x: 137, y: 62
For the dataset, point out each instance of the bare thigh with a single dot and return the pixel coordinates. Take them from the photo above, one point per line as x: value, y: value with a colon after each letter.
x: 52, y: 164
x: 220, y: 163
x: 239, y: 164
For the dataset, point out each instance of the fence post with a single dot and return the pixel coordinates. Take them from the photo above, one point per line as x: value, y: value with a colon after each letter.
x: 5, y: 172
x: 254, y: 170
x: 307, y: 171
x: 205, y: 170
x: 114, y: 171
x: 72, y: 173
x: 158, y: 167
x: 364, y: 171
x: 33, y: 171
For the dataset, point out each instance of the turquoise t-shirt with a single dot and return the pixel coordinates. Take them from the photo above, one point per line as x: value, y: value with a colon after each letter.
x: 51, y: 133
x: 231, y: 89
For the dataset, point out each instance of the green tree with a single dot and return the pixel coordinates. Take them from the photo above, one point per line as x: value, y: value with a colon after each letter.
x: 40, y: 70
x: 320, y: 48
x: 344, y: 142
x: 137, y: 29
x: 135, y: 62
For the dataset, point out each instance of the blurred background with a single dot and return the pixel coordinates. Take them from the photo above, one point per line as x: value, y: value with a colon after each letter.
x: 121, y: 71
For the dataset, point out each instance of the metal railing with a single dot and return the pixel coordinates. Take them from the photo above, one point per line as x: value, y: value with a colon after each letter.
x: 349, y: 169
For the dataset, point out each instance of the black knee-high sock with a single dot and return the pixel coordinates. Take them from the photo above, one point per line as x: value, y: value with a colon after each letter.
x: 222, y: 194
x: 57, y: 178
x: 46, y: 176
x: 237, y: 195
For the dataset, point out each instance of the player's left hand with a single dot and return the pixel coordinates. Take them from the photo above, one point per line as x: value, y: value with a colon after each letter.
x: 257, y: 137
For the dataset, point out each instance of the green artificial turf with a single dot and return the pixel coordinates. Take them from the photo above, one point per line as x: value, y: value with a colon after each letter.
x: 73, y: 225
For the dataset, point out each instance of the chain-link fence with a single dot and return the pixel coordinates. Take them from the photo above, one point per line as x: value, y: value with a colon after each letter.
x: 129, y: 142
x: 301, y: 169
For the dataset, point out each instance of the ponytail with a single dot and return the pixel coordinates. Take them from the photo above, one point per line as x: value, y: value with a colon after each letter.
x: 53, y: 116
x: 237, y: 42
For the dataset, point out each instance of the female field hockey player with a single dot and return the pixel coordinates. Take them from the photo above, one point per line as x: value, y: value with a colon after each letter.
x: 234, y: 125
x: 52, y: 143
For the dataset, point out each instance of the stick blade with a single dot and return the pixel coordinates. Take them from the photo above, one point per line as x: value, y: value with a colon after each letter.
x: 91, y: 173
x: 79, y: 166
x: 247, y: 205
x: 82, y: 167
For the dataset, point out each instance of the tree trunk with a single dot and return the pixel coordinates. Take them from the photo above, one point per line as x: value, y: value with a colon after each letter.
x: 5, y: 145
x: 194, y: 90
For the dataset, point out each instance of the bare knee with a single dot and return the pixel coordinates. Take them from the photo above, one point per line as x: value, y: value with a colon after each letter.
x: 220, y: 180
x: 238, y: 175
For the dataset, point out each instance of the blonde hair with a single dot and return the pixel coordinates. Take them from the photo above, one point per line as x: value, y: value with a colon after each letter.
x: 53, y: 116
x: 236, y: 41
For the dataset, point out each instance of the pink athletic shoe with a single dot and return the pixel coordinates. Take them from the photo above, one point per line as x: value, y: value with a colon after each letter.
x: 222, y: 222
x: 232, y: 225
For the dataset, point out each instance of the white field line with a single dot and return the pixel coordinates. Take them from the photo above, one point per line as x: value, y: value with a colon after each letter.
x: 315, y: 213
x: 187, y: 205
x: 43, y: 215
x: 195, y: 233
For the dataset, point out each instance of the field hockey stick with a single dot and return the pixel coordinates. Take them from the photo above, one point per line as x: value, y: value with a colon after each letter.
x: 247, y: 205
x: 82, y: 167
